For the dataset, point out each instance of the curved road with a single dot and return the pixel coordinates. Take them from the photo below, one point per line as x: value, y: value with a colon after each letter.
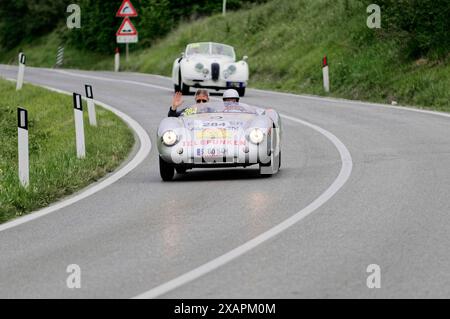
x: 139, y: 234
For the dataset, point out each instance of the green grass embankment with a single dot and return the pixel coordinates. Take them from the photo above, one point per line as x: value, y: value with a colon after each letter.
x: 55, y: 171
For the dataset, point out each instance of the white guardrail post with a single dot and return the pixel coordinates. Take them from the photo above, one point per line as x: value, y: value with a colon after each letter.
x: 117, y: 60
x: 22, y: 127
x: 326, y: 76
x: 21, y: 72
x: 79, y: 125
x: 91, y: 105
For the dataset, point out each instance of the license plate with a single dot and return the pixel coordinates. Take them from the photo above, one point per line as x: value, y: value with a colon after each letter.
x: 211, y: 152
x: 235, y: 84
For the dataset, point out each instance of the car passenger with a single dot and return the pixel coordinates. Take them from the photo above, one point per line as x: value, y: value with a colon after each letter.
x: 201, y: 96
x: 231, y: 101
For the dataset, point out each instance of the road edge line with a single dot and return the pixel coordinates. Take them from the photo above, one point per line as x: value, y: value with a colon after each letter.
x: 142, y: 153
x: 339, y: 182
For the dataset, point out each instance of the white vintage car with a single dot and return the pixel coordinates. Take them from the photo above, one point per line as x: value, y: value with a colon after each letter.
x: 210, y: 65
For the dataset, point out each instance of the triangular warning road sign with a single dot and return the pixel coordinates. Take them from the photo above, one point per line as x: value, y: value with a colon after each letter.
x: 127, y: 10
x: 126, y: 28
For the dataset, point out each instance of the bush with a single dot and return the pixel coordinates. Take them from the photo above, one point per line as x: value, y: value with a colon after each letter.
x: 24, y: 19
x: 423, y: 25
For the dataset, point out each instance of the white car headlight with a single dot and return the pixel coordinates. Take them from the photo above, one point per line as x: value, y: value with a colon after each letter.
x: 169, y: 138
x: 229, y: 71
x: 199, y: 67
x: 256, y: 136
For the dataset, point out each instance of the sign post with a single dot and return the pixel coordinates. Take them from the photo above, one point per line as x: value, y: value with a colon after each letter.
x: 79, y: 125
x: 326, y: 76
x: 127, y: 32
x: 91, y: 105
x: 21, y: 72
x: 22, y: 127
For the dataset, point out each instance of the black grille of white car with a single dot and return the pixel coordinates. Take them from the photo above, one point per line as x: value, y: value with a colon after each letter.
x: 215, y: 71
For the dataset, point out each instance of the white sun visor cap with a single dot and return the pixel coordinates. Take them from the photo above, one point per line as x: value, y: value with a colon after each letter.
x: 231, y: 94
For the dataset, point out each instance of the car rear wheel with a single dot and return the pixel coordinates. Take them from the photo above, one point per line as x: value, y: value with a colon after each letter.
x: 166, y: 170
x: 176, y: 88
x: 241, y: 92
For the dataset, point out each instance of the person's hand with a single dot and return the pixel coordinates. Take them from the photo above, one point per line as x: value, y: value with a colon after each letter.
x: 177, y: 101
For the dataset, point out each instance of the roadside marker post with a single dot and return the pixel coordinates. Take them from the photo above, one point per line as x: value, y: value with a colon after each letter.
x: 326, y: 75
x: 60, y: 57
x: 24, y: 166
x: 79, y: 125
x: 91, y: 105
x: 21, y: 72
x: 117, y: 61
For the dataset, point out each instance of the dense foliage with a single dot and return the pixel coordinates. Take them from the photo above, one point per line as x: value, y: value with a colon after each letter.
x: 28, y: 19
x: 423, y: 25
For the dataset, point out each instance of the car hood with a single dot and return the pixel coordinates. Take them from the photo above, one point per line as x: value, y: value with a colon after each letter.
x: 209, y: 59
x: 218, y: 121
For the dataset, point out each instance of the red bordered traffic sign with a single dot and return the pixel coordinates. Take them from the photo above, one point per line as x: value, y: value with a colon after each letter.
x: 127, y: 28
x: 126, y: 10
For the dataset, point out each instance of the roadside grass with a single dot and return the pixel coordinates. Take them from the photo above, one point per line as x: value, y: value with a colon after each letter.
x: 55, y: 171
x: 41, y: 52
x: 286, y: 41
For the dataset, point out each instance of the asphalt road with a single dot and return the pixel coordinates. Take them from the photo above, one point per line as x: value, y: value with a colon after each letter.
x: 140, y: 233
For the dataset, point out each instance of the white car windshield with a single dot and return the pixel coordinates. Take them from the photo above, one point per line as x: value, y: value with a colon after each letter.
x: 210, y: 48
x: 221, y: 107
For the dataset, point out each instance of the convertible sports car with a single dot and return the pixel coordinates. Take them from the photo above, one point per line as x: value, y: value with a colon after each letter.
x: 209, y: 65
x: 220, y: 134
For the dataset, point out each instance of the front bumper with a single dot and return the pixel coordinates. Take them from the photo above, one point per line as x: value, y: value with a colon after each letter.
x: 218, y: 85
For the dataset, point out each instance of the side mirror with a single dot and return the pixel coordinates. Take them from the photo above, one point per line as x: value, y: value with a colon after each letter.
x: 245, y: 58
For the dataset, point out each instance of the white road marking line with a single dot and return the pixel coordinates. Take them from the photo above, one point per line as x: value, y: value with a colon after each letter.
x: 143, y: 152
x: 214, y: 264
x: 114, y: 80
x: 352, y: 102
x: 308, y: 97
x: 344, y: 174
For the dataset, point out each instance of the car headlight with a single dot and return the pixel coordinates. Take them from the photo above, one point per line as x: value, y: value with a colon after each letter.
x: 229, y: 71
x: 169, y: 138
x: 256, y: 136
x: 199, y: 67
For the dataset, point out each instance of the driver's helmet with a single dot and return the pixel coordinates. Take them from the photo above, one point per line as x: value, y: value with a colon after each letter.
x: 231, y: 94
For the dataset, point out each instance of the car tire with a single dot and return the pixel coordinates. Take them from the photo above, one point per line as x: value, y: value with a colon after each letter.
x: 181, y: 170
x: 279, y: 161
x: 166, y: 170
x: 185, y: 89
x: 176, y: 88
x: 241, y: 92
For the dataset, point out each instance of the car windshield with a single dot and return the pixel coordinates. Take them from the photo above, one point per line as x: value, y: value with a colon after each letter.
x: 210, y: 49
x: 221, y: 107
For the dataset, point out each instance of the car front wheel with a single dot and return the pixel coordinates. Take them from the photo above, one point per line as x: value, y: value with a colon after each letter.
x: 241, y: 92
x: 166, y: 170
x: 185, y: 89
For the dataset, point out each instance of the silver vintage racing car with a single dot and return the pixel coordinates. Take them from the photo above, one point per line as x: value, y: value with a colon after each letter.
x: 220, y: 134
